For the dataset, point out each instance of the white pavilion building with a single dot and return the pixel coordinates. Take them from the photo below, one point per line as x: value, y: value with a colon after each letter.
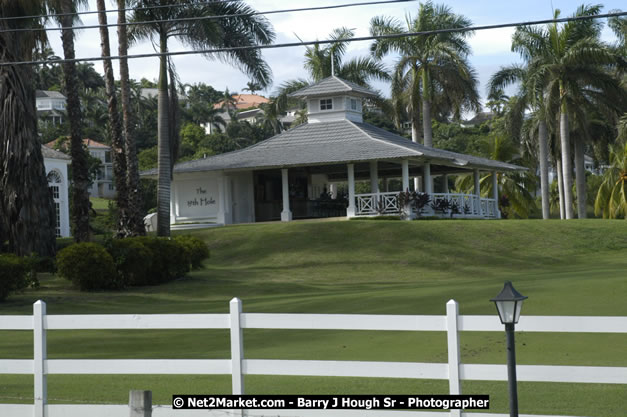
x: 283, y: 178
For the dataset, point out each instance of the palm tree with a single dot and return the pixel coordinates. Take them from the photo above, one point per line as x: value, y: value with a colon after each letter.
x: 117, y: 143
x: 26, y: 205
x: 431, y: 66
x: 134, y: 215
x: 529, y: 95
x: 80, y: 176
x: 252, y: 87
x: 611, y: 200
x: 243, y: 29
x: 574, y: 64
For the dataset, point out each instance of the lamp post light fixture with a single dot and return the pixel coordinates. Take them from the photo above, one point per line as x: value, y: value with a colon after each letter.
x: 508, y: 304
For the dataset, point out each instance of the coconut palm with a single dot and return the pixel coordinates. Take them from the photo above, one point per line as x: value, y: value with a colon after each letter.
x: 432, y: 68
x: 66, y: 10
x: 243, y: 29
x: 529, y: 96
x: 574, y: 64
x: 611, y: 199
x: 134, y: 214
x: 117, y: 142
x: 26, y: 205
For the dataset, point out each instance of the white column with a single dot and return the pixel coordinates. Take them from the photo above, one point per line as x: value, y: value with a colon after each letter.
x: 222, y: 201
x: 405, y: 169
x: 477, y: 192
x: 333, y: 190
x: 39, y: 358
x: 495, y: 194
x: 374, y: 178
x: 445, y: 179
x: 427, y: 178
x: 286, y: 214
x: 350, y: 211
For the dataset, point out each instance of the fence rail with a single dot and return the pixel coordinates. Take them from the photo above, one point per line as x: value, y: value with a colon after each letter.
x: 236, y: 321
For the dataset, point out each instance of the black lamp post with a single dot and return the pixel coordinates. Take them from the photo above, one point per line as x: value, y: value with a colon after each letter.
x: 508, y: 304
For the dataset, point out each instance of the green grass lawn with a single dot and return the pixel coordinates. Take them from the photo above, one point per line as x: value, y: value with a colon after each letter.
x: 389, y: 267
x: 99, y: 204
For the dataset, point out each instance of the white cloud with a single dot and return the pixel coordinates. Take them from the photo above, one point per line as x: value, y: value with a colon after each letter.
x: 492, y: 42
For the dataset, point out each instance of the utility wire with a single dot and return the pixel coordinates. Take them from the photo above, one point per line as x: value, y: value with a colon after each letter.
x: 191, y: 19
x: 322, y: 42
x: 41, y: 16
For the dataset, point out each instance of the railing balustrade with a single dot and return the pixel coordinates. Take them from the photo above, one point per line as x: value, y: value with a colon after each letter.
x: 469, y: 205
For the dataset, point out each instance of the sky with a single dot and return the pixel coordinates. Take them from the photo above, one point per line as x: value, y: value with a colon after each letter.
x: 491, y: 48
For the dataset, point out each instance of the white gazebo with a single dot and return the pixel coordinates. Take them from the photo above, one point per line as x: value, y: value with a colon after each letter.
x: 298, y: 173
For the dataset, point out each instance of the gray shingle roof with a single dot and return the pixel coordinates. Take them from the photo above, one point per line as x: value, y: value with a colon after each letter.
x: 333, y: 143
x: 330, y: 86
x: 50, y: 94
x: 52, y: 154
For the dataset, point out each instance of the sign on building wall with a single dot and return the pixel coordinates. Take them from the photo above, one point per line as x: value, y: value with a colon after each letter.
x: 197, y: 198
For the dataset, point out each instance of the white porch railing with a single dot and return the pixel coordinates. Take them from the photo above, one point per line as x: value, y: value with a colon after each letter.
x: 376, y: 203
x: 453, y: 370
x: 469, y: 205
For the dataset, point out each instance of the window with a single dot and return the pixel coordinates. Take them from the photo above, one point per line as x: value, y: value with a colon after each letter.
x: 55, y: 191
x: 353, y: 104
x: 108, y: 157
x: 326, y: 104
x: 111, y: 187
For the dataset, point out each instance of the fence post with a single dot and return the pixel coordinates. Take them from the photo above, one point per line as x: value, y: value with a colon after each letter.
x: 237, y: 347
x: 140, y: 403
x: 452, y: 337
x: 39, y: 358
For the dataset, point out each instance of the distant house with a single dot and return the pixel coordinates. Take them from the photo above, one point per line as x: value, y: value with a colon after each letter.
x: 51, y: 106
x: 103, y: 185
x: 243, y: 102
x: 154, y: 92
x: 56, y: 164
x: 246, y: 106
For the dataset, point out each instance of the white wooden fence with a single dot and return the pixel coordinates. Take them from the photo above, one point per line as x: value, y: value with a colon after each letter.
x: 454, y: 371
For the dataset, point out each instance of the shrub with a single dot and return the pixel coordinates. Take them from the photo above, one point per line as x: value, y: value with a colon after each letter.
x: 196, y: 249
x: 169, y: 259
x: 132, y: 260
x: 13, y: 274
x: 89, y: 266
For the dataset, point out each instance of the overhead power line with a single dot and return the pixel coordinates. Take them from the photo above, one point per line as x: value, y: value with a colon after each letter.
x: 193, y: 19
x: 324, y: 42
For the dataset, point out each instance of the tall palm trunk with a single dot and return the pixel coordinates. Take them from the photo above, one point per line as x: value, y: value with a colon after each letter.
x: 543, y: 138
x: 426, y: 109
x: 415, y: 115
x: 580, y: 178
x: 80, y: 176
x: 560, y: 188
x: 567, y: 165
x: 135, y: 217
x: 117, y: 144
x: 163, y: 132
x: 26, y: 204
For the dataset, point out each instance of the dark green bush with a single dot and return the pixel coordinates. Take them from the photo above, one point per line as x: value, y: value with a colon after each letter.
x: 89, y: 266
x: 13, y: 274
x: 169, y: 259
x: 132, y: 260
x: 196, y: 249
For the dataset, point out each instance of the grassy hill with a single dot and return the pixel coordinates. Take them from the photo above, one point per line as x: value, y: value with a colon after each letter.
x: 389, y: 267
